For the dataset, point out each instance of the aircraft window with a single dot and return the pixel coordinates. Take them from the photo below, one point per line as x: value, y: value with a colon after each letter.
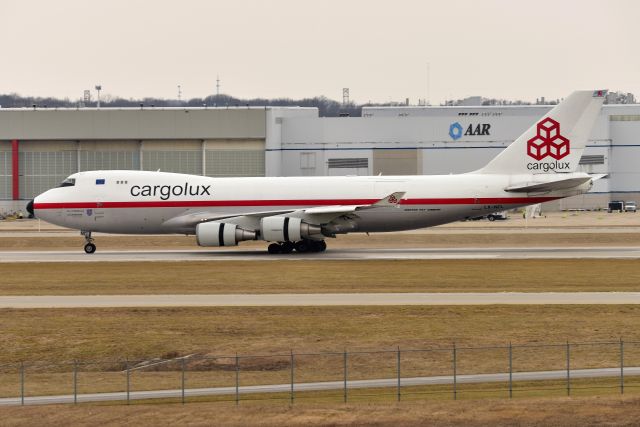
x: 69, y: 182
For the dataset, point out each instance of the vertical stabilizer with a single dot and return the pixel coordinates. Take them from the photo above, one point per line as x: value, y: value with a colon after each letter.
x: 554, y: 144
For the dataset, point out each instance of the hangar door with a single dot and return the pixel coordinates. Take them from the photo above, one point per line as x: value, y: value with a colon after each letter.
x: 44, y: 165
x: 234, y: 157
x: 395, y: 162
x: 108, y: 155
x: 6, y: 171
x: 178, y: 156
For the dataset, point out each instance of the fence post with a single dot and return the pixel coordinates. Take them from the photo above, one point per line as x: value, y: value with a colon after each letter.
x: 128, y: 381
x: 237, y: 380
x: 621, y: 366
x: 75, y: 382
x: 22, y: 383
x: 510, y: 370
x: 292, y: 364
x: 345, y: 375
x: 568, y: 369
x: 455, y: 379
x: 183, y: 363
x: 399, y: 385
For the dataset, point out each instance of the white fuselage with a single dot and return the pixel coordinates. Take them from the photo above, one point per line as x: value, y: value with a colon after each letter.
x: 138, y: 202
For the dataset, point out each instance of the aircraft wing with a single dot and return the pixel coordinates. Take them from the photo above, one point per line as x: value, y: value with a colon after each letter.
x: 192, y: 219
x: 392, y: 200
x: 316, y: 214
x: 562, y: 184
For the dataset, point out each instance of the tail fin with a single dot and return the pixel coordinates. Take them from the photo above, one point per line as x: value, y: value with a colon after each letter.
x: 556, y: 142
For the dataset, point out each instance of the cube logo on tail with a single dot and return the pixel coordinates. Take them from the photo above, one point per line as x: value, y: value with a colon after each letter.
x: 548, y: 141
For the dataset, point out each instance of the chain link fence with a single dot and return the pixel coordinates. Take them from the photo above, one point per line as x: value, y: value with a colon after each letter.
x: 454, y: 372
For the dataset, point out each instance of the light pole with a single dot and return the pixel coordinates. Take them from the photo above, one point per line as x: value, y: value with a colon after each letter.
x: 98, y: 88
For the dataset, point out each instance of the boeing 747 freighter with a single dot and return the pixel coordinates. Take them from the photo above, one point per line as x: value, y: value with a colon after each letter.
x: 299, y: 213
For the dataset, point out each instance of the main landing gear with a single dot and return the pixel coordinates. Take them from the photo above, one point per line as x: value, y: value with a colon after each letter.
x: 89, y: 247
x: 301, y: 246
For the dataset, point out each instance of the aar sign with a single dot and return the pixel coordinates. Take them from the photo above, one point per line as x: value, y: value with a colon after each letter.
x: 456, y: 130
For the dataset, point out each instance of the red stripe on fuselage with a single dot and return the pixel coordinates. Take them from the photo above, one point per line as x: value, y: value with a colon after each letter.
x: 306, y: 202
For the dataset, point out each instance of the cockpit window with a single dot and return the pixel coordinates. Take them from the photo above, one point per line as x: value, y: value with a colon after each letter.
x: 69, y: 182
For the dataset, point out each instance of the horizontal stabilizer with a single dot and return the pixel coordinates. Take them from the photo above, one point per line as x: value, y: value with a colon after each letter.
x: 562, y: 184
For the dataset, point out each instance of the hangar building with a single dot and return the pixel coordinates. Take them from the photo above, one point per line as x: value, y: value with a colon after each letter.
x: 40, y: 147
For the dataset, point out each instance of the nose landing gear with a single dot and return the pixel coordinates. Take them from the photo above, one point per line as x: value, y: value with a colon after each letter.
x: 89, y: 247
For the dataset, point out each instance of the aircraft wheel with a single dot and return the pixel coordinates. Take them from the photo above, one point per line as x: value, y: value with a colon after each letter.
x: 302, y: 246
x: 274, y: 248
x: 89, y: 248
x: 491, y: 218
x: 317, y: 245
x: 286, y: 247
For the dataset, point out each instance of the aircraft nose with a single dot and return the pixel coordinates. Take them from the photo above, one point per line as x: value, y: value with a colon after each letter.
x: 30, y: 208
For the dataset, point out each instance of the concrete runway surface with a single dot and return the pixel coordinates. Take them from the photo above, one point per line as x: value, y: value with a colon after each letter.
x: 291, y: 300
x: 326, y: 385
x: 331, y: 254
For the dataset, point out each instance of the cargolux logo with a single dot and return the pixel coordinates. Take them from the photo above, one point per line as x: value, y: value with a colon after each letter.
x: 548, y: 141
x: 165, y: 192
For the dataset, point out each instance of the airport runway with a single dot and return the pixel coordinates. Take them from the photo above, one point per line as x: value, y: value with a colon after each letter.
x: 330, y: 254
x: 325, y: 385
x: 298, y: 300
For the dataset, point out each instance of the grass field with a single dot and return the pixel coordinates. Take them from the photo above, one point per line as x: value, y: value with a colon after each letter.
x: 312, y: 277
x: 54, y: 335
x: 586, y: 411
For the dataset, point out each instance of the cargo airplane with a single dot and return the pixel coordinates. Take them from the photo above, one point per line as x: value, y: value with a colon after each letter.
x: 299, y: 213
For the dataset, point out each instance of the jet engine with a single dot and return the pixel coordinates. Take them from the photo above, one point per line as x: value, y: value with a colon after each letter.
x: 287, y: 229
x: 221, y: 234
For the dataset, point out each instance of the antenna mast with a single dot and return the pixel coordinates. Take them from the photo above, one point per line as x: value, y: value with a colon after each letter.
x: 428, y: 83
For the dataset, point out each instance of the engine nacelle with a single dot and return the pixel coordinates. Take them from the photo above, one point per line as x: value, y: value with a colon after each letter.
x: 287, y: 229
x: 221, y: 234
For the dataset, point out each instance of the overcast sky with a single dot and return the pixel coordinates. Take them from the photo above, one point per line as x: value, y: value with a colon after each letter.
x: 294, y: 48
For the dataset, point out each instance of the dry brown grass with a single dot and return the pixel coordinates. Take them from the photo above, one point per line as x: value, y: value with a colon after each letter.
x: 313, y: 277
x: 592, y: 411
x: 57, y: 335
x: 54, y: 335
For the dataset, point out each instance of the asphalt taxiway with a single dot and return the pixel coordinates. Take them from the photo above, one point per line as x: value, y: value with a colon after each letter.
x: 330, y: 254
x: 334, y: 299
